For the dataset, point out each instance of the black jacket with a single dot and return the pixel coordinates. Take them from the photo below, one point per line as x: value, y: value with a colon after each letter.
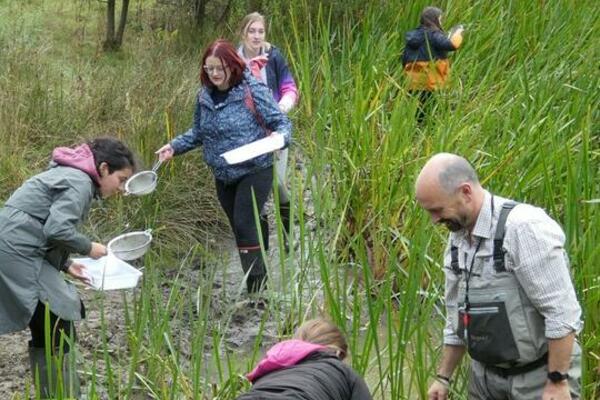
x: 321, y: 376
x: 426, y: 45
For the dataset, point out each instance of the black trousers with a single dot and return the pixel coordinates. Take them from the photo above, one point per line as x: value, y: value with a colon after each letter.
x: 58, y: 327
x: 237, y: 201
x: 426, y: 104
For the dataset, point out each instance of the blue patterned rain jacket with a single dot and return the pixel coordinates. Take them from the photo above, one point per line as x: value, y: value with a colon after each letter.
x: 232, y: 124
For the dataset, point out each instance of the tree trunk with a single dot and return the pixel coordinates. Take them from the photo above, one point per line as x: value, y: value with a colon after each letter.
x: 122, y: 22
x: 110, y: 25
x: 200, y: 11
x: 255, y: 5
x: 225, y: 13
x: 114, y: 40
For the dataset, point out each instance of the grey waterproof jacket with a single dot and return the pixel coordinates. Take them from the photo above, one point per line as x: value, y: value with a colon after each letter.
x: 38, y: 231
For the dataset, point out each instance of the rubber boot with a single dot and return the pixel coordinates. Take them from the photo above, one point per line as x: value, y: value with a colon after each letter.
x: 48, y: 376
x: 254, y: 267
x: 284, y: 213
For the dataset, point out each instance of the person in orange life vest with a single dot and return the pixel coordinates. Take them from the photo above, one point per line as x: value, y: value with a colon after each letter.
x: 425, y: 57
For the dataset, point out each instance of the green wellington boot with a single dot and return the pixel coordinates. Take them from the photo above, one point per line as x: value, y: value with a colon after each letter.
x: 46, y: 379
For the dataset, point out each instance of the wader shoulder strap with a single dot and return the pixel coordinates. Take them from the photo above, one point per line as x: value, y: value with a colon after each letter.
x: 499, y: 236
x: 498, y: 241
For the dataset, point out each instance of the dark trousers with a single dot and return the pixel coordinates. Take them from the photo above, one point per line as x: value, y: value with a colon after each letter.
x: 58, y: 327
x: 426, y: 100
x: 237, y: 201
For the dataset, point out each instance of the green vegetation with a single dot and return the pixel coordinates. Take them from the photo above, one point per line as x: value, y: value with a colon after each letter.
x: 522, y: 106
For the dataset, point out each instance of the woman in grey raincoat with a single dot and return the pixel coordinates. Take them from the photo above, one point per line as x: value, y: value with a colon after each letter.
x: 38, y: 231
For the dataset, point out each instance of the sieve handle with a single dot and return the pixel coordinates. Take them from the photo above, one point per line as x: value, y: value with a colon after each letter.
x: 156, y: 165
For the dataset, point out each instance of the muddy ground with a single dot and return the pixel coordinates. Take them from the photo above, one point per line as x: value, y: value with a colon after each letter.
x: 242, y: 330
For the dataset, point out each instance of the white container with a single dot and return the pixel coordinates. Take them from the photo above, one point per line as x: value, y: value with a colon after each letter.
x: 274, y: 141
x: 110, y: 273
x: 455, y: 29
x: 130, y: 246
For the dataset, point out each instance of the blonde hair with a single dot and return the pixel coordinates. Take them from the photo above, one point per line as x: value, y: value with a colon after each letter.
x: 321, y: 331
x: 249, y: 20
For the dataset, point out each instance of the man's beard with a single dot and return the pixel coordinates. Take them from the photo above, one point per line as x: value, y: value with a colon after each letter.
x: 453, y: 224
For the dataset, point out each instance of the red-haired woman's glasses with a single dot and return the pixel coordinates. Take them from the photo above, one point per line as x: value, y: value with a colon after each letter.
x: 210, y: 69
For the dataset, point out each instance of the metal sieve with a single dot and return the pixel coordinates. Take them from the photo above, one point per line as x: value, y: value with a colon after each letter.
x: 130, y: 246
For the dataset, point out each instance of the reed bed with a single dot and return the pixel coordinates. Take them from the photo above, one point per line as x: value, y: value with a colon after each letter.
x: 522, y: 106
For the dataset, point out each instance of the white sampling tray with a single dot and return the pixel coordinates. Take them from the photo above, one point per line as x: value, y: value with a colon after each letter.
x: 110, y: 273
x: 274, y: 141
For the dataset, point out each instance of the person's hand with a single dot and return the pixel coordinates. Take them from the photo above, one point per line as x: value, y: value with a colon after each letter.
x: 79, y: 272
x: 98, y: 250
x: 165, y: 153
x: 456, y: 36
x: 286, y: 104
x: 285, y: 145
x: 438, y: 391
x: 556, y: 391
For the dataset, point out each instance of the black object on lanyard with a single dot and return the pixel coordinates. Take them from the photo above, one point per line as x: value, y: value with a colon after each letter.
x: 468, y: 274
x: 466, y: 317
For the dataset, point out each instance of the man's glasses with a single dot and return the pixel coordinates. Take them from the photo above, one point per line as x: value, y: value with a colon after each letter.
x: 209, y: 69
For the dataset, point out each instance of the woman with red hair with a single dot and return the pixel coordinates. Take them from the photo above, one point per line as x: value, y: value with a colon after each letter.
x: 234, y: 109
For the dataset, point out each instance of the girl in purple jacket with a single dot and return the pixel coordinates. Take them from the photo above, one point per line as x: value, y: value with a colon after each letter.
x: 268, y: 65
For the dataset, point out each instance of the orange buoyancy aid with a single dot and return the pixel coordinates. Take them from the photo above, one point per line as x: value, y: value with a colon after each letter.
x: 427, y: 75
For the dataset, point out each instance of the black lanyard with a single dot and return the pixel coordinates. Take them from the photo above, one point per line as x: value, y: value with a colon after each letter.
x: 468, y: 275
x: 470, y: 270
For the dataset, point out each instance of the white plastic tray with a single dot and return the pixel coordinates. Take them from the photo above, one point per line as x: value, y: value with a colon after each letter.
x: 273, y: 142
x: 110, y: 273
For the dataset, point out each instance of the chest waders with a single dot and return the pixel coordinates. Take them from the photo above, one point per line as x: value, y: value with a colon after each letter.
x: 496, y: 320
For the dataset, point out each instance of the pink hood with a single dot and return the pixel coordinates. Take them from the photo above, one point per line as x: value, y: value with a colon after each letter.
x: 256, y: 64
x: 81, y: 158
x: 283, y: 354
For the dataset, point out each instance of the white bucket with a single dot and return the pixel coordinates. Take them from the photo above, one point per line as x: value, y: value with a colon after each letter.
x: 110, y: 273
